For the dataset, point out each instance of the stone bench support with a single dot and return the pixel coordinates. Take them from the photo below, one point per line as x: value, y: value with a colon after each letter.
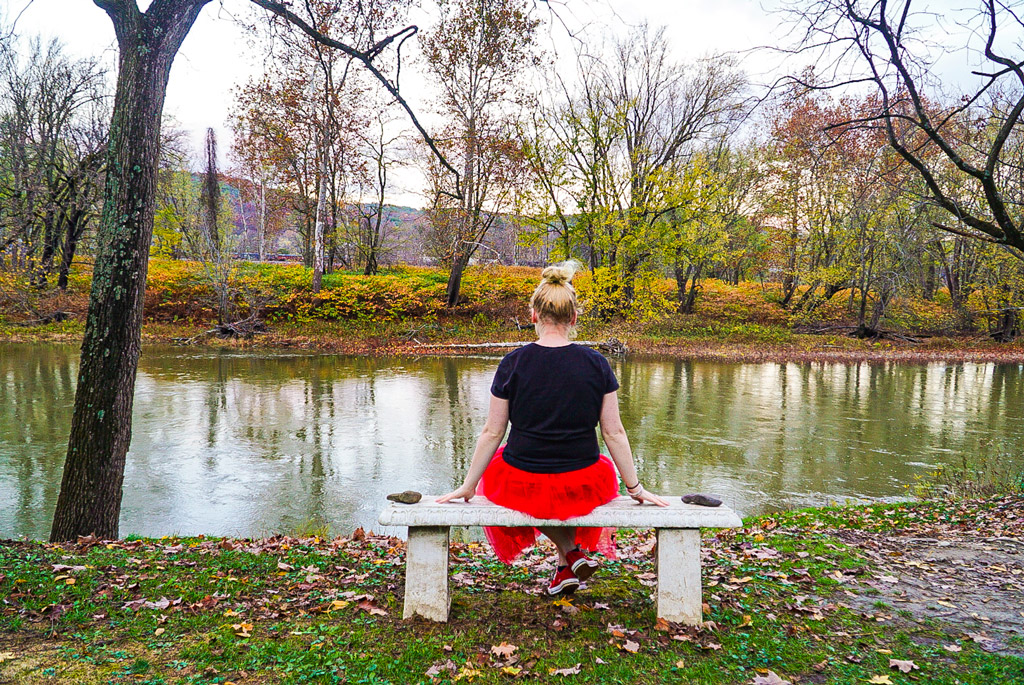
x: 677, y: 528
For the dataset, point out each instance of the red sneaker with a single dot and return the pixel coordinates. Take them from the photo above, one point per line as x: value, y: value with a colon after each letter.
x: 564, y: 582
x: 580, y: 564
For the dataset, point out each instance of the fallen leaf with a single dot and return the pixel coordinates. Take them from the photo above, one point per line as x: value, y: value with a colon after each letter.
x: 680, y: 664
x: 661, y: 625
x: 879, y: 680
x: 771, y: 679
x: 371, y: 608
x: 952, y: 648
x: 903, y: 666
x: 159, y: 631
x: 467, y: 672
x: 284, y: 567
x: 631, y: 647
x: 436, y: 669
x: 7, y: 656
x: 565, y: 671
x: 511, y: 670
x: 242, y: 629
x: 504, y: 650
x: 338, y: 604
x: 747, y: 620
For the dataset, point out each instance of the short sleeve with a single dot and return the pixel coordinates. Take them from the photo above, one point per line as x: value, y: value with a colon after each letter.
x: 502, y: 378
x: 611, y: 383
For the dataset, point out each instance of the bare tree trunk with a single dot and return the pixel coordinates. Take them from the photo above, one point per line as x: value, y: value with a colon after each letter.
x: 261, y: 230
x: 459, y: 263
x: 318, y: 227
x: 76, y: 227
x: 90, y: 493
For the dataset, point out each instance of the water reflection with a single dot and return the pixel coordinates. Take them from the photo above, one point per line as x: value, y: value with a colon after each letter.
x: 226, y: 443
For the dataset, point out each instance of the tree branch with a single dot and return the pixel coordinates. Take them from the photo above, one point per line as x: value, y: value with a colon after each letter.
x: 366, y: 59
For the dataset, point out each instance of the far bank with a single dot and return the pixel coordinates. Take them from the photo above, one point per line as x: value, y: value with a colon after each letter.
x: 402, y: 312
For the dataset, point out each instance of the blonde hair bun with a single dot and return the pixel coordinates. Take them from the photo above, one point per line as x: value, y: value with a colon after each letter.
x: 554, y: 300
x: 559, y: 274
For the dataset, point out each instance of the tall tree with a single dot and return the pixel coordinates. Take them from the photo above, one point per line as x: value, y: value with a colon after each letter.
x: 90, y: 493
x: 478, y: 51
x: 90, y: 496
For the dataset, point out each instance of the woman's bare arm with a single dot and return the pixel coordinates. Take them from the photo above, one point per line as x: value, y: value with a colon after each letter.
x: 615, y: 438
x: 486, y: 444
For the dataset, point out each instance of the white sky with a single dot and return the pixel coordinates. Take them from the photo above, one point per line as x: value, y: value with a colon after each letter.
x: 216, y: 56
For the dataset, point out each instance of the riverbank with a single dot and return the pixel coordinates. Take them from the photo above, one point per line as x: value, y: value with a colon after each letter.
x: 711, y: 343
x: 887, y: 593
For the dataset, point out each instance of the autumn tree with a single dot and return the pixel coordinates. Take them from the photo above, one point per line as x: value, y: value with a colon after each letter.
x: 893, y: 48
x: 712, y: 226
x: 207, y: 234
x: 610, y: 154
x: 478, y: 52
x: 301, y: 119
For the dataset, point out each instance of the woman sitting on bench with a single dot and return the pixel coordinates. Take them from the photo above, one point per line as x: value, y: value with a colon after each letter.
x: 555, y: 393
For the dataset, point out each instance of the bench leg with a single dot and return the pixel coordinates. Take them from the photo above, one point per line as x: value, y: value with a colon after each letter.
x: 426, y: 573
x: 679, y: 589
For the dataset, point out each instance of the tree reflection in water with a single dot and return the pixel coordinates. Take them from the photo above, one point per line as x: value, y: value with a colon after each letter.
x: 238, y: 444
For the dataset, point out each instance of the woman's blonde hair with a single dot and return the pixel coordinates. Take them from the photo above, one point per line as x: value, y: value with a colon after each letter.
x: 554, y: 300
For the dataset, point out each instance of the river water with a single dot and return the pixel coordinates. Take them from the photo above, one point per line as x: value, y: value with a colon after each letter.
x: 230, y: 443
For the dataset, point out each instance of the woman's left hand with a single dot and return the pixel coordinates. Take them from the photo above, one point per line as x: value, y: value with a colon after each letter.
x: 645, y: 496
x: 465, y: 492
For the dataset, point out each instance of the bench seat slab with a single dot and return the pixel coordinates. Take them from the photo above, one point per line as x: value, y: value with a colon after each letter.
x: 679, y: 589
x: 621, y: 512
x: 426, y: 573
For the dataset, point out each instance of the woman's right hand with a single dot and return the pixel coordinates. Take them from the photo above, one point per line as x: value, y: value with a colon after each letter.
x: 465, y: 492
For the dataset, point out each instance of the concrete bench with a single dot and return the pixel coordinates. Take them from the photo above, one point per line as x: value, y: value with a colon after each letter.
x: 677, y: 527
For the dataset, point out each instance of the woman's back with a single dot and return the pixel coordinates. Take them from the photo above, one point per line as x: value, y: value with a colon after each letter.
x: 555, y: 396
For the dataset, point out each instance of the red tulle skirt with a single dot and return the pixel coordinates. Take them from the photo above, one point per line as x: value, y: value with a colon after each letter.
x: 549, y: 496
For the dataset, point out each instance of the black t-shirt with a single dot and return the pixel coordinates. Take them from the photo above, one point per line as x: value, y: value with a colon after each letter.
x: 554, y: 400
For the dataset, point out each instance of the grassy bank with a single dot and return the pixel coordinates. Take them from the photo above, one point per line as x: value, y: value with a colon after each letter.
x: 402, y: 312
x: 843, y: 595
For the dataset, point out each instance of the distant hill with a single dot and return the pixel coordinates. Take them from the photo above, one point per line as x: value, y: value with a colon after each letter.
x: 406, y: 231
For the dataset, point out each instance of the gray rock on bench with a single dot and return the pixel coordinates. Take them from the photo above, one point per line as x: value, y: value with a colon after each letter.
x: 677, y: 528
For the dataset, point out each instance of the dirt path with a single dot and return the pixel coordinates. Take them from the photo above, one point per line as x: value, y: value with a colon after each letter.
x: 972, y: 581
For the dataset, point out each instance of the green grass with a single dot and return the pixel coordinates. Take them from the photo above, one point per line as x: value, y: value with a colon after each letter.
x: 293, y: 611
